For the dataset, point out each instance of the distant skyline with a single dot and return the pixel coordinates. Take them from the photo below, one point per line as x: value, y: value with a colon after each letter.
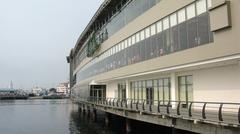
x: 35, y: 38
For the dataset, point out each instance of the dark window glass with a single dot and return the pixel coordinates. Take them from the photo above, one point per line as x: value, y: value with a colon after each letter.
x: 183, y: 36
x: 192, y: 32
x: 203, y: 29
x: 174, y: 39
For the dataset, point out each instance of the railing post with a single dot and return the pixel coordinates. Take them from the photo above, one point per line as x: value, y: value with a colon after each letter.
x: 190, y: 109
x: 131, y: 104
x: 178, y: 108
x: 143, y: 105
x: 117, y: 102
x: 220, y: 112
x: 204, y: 111
x: 239, y: 115
x: 137, y: 104
x: 168, y: 105
x: 159, y: 102
x: 150, y: 106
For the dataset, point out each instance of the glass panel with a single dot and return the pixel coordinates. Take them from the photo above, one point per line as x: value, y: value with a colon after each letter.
x: 182, y: 94
x: 181, y: 15
x: 137, y: 37
x: 203, y: 28
x: 165, y: 23
x: 129, y: 41
x: 133, y: 39
x: 201, y: 6
x: 153, y: 29
x: 190, y: 93
x: 191, y: 11
x: 192, y: 32
x: 189, y: 80
x: 160, y: 93
x: 159, y: 26
x: 166, y: 93
x: 155, y: 95
x: 209, y: 3
x: 173, y: 20
x: 149, y: 83
x: 142, y: 35
x: 147, y: 31
x: 126, y: 43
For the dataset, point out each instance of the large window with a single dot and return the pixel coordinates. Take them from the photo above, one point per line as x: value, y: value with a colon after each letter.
x: 122, y: 91
x: 151, y: 91
x: 185, y: 85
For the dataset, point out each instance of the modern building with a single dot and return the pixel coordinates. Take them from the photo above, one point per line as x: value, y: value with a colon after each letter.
x: 63, y: 88
x: 179, y: 57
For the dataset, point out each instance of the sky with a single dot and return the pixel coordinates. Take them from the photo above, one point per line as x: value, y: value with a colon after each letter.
x: 35, y: 38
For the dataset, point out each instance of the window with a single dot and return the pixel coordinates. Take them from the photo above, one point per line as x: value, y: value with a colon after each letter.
x: 201, y: 6
x: 122, y: 91
x: 142, y: 35
x: 122, y: 45
x: 165, y: 23
x: 137, y: 37
x: 147, y: 31
x: 159, y: 27
x: 191, y: 11
x: 209, y: 2
x: 181, y: 16
x: 133, y: 40
x: 164, y: 89
x: 126, y: 43
x: 185, y: 84
x: 129, y: 41
x: 173, y: 20
x: 153, y: 29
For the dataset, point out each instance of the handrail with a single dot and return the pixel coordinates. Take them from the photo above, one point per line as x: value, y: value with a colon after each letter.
x: 210, y: 111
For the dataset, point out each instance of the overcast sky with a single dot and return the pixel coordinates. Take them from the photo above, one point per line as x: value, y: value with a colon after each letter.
x: 35, y: 38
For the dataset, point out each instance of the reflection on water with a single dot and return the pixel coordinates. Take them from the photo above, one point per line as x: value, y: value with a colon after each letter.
x: 44, y: 117
x: 62, y: 117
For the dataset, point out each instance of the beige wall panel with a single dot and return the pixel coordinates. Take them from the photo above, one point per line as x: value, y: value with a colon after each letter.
x: 220, y: 17
x: 217, y: 84
x: 216, y: 3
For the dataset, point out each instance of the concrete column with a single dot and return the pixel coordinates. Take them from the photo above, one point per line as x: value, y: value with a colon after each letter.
x: 174, y: 89
x: 94, y: 115
x: 88, y: 111
x: 84, y: 109
x: 107, y: 119
x: 127, y: 89
x: 79, y: 109
x: 128, y: 126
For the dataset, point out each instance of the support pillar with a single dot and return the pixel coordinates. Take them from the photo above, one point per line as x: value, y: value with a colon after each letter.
x: 128, y: 126
x: 94, y: 115
x: 84, y: 109
x: 88, y: 111
x: 107, y: 119
x: 174, y: 89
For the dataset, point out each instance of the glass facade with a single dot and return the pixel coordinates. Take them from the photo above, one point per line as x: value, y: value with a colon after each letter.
x: 151, y: 90
x: 185, y: 84
x: 183, y: 29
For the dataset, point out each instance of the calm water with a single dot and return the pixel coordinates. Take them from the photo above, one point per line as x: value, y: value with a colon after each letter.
x: 44, y: 117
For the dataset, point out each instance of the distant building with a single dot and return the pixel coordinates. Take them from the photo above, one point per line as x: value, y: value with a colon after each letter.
x: 37, y: 90
x: 63, y: 88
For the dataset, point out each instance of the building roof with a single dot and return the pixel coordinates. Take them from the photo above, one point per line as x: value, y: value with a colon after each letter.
x: 106, y: 8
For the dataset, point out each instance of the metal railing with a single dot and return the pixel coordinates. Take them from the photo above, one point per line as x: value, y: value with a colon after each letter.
x: 216, y: 112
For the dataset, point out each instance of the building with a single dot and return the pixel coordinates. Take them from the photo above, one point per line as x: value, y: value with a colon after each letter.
x: 177, y: 56
x: 63, y: 88
x: 37, y: 90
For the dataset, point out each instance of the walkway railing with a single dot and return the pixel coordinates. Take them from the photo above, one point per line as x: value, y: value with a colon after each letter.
x: 216, y: 112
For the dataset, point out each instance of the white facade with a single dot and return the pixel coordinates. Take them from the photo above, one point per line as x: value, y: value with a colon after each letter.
x: 63, y: 88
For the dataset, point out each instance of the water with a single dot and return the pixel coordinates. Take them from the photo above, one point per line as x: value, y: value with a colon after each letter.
x: 45, y: 117
x: 62, y: 117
